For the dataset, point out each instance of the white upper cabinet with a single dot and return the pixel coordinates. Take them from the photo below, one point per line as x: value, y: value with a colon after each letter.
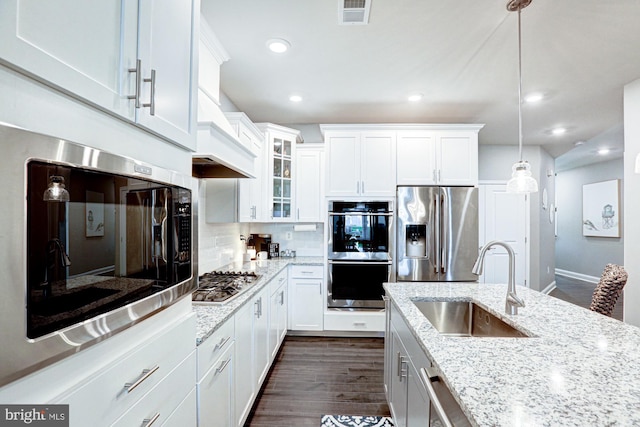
x: 360, y: 161
x: 135, y: 63
x: 309, y: 182
x: 280, y: 154
x: 438, y: 156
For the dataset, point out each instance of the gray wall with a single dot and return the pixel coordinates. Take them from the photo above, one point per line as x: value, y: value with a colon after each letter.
x: 574, y: 252
x: 495, y: 163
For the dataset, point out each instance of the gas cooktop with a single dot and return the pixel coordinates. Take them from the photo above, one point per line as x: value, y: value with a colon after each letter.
x: 222, y: 286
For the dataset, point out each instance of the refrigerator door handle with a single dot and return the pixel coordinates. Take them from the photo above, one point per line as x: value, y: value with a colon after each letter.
x: 436, y: 232
x: 446, y: 221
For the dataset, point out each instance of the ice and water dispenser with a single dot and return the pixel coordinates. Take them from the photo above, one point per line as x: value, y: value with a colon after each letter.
x: 415, y: 241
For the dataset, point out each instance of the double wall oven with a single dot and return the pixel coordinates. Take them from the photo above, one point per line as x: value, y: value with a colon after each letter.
x: 360, y: 249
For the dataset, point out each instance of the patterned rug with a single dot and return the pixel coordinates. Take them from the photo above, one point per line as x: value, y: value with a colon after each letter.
x: 355, y: 421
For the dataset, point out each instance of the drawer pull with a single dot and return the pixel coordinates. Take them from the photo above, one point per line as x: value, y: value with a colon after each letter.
x: 147, y: 422
x: 146, y: 373
x: 222, y: 366
x: 222, y: 343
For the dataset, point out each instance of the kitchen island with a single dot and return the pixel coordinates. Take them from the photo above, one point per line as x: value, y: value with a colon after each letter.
x: 576, y: 368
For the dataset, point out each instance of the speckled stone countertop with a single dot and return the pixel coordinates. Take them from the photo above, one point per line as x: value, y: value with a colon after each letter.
x: 209, y: 317
x: 580, y: 369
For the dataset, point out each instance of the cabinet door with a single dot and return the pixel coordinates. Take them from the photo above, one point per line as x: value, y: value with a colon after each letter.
x: 418, y: 403
x: 416, y: 158
x: 306, y: 305
x: 215, y: 392
x: 309, y: 180
x: 343, y: 169
x: 251, y: 192
x: 166, y: 47
x: 83, y: 48
x: 281, y: 179
x: 457, y: 155
x: 399, y: 373
x: 378, y: 164
x: 277, y: 320
x: 261, y: 337
x: 244, y: 384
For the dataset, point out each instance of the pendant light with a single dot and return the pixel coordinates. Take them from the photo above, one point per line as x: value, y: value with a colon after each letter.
x: 521, y: 180
x: 56, y: 192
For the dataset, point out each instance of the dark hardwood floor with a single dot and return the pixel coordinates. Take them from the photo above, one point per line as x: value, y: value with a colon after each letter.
x: 580, y: 293
x: 314, y: 376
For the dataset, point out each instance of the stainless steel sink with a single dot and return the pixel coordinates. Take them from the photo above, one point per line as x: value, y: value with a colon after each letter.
x: 465, y: 319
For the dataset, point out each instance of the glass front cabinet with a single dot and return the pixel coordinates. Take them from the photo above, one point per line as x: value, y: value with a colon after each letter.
x: 281, y: 146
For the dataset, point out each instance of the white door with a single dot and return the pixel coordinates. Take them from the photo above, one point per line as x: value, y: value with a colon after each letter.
x: 166, y: 45
x: 378, y: 164
x: 343, y: 170
x: 416, y: 158
x: 306, y: 310
x: 309, y: 178
x: 457, y: 158
x: 503, y: 216
x: 83, y: 48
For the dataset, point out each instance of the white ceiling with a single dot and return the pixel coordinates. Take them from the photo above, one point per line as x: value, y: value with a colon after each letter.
x: 461, y: 55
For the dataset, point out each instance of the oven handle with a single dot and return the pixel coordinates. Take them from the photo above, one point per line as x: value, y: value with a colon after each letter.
x: 360, y: 262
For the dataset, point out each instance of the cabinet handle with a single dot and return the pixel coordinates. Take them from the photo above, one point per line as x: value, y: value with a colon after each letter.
x: 357, y: 187
x: 298, y: 214
x: 434, y: 176
x: 147, y: 422
x: 146, y: 373
x: 438, y: 175
x: 433, y: 397
x: 281, y: 297
x: 152, y: 96
x: 362, y: 187
x: 253, y: 212
x: 222, y: 343
x: 138, y: 71
x: 256, y: 311
x: 260, y: 305
x: 222, y: 366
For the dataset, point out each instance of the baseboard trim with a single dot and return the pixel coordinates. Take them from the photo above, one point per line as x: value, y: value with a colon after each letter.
x: 549, y: 288
x: 577, y: 276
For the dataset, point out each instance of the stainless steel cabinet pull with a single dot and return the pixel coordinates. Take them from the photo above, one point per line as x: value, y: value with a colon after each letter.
x: 434, y: 176
x: 298, y: 214
x: 222, y: 343
x: 439, y: 177
x: 222, y: 366
x: 435, y: 402
x: 362, y: 187
x: 357, y: 187
x: 146, y: 373
x: 152, y: 97
x: 147, y: 422
x: 257, y: 310
x: 138, y: 71
x: 260, y: 306
x: 281, y: 297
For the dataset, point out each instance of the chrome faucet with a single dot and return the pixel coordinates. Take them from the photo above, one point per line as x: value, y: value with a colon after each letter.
x: 513, y: 301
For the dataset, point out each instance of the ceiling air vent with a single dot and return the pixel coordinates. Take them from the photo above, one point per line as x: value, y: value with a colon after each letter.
x: 354, y: 12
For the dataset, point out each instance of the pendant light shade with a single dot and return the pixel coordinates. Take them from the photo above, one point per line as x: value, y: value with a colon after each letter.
x: 56, y: 192
x: 521, y: 180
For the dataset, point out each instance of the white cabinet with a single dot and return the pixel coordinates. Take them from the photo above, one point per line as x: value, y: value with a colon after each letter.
x: 252, y: 352
x: 133, y: 60
x: 215, y: 384
x: 306, y: 301
x: 280, y: 154
x: 438, y: 157
x: 360, y: 163
x: 277, y: 313
x: 310, y: 183
x: 215, y: 390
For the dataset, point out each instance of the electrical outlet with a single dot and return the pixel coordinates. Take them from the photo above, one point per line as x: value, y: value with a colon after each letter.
x: 288, y: 235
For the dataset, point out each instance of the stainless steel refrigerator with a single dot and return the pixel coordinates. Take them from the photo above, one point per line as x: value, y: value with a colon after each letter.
x: 437, y: 233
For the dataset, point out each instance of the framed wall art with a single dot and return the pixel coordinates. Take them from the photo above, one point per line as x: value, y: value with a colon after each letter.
x: 601, y: 209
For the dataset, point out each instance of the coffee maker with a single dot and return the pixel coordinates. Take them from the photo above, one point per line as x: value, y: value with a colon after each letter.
x: 261, y: 242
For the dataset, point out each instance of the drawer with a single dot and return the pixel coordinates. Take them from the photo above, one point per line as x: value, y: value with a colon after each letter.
x: 164, y: 398
x: 185, y: 415
x: 105, y: 397
x: 306, y: 271
x: 354, y: 321
x: 210, y: 349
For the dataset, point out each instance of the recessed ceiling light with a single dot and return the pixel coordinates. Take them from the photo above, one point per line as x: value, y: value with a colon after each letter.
x: 534, y: 97
x: 295, y: 98
x: 559, y: 131
x: 415, y: 97
x: 278, y: 45
x: 603, y: 151
x: 578, y: 143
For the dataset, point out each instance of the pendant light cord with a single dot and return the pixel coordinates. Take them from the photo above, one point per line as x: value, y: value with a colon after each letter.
x: 519, y: 86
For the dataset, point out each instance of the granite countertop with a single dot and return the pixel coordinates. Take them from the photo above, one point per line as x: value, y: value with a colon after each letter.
x: 580, y: 368
x: 210, y: 317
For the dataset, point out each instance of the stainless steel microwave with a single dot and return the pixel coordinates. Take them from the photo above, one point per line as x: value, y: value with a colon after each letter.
x: 91, y: 243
